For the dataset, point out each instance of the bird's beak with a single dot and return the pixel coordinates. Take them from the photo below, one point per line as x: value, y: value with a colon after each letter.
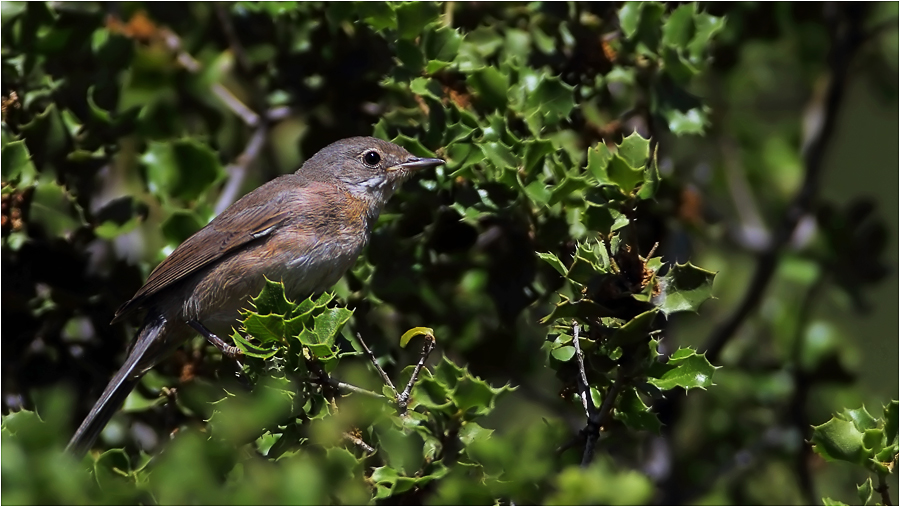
x: 414, y: 163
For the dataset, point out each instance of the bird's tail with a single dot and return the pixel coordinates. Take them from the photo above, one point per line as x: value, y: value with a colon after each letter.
x: 118, y: 389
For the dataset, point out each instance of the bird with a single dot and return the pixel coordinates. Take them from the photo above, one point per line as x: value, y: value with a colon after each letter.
x: 304, y: 229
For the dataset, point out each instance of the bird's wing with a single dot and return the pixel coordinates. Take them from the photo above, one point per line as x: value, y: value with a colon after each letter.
x: 252, y: 218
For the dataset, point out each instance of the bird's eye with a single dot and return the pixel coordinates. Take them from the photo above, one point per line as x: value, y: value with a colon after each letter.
x: 371, y: 158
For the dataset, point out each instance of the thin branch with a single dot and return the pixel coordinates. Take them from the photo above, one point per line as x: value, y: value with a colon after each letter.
x: 237, y: 171
x: 596, y: 419
x: 374, y: 360
x: 403, y: 399
x: 846, y: 41
x: 336, y: 384
x: 359, y: 443
x: 233, y: 42
x: 883, y: 490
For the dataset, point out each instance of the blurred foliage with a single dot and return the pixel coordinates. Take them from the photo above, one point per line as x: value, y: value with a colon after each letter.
x: 597, y: 154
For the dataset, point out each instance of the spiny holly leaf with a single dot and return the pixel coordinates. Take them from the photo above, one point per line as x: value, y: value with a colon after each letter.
x: 636, y: 329
x: 265, y: 328
x: 330, y: 322
x: 684, y: 288
x: 860, y: 418
x: 585, y: 308
x: 16, y: 163
x: 839, y: 440
x: 864, y: 491
x: 685, y: 368
x: 271, y: 300
x: 632, y: 411
x: 634, y: 150
x: 890, y: 422
x: 554, y: 261
x: 651, y: 179
x: 252, y: 350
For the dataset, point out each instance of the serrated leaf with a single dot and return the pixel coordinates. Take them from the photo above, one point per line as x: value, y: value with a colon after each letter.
x: 651, y: 179
x: 584, y: 308
x: 685, y: 369
x: 272, y: 300
x: 442, y: 44
x: 860, y: 418
x: 634, y: 330
x: 330, y: 322
x: 623, y: 175
x: 413, y: 17
x: 553, y: 261
x: 839, y: 440
x: 552, y: 99
x: 490, y: 85
x: 16, y: 164
x: 684, y: 288
x: 265, y: 328
x: 679, y: 29
x: 829, y: 501
x: 378, y: 15
x: 252, y: 350
x: 634, y: 150
x: 864, y: 491
x: 632, y: 411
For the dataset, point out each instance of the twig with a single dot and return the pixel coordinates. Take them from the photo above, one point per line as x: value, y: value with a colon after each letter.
x: 846, y: 42
x: 384, y: 376
x: 237, y: 171
x: 596, y: 419
x: 883, y: 490
x: 359, y: 443
x: 403, y: 398
x: 233, y: 42
x: 336, y: 384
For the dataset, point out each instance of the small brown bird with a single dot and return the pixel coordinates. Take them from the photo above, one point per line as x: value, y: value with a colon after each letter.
x: 305, y: 229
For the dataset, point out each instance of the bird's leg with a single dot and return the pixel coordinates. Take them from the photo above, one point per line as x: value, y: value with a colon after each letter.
x: 229, y: 351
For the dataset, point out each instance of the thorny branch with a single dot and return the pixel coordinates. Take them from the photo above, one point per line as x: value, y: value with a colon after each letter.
x: 596, y: 418
x: 402, y: 398
x: 847, y: 38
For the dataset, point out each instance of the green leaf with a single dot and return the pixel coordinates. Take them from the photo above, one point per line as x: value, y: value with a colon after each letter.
x: 413, y: 17
x: 252, y: 350
x: 330, y: 322
x: 651, y: 179
x: 584, y: 308
x: 860, y: 418
x: 16, y: 164
x: 684, y: 288
x: 839, y: 440
x: 623, y: 175
x: 691, y: 122
x: 890, y: 421
x: 490, y: 85
x: 184, y: 169
x: 634, y: 150
x: 271, y: 300
x: 632, y: 411
x: 707, y: 26
x: 564, y: 353
x: 864, y: 491
x: 635, y: 330
x: 828, y: 501
x: 552, y: 99
x: 181, y: 225
x: 378, y: 15
x: 54, y: 209
x: 599, y: 157
x: 265, y: 328
x: 442, y: 44
x: 629, y: 18
x: 416, y: 331
x: 679, y: 29
x: 685, y: 369
x: 553, y: 261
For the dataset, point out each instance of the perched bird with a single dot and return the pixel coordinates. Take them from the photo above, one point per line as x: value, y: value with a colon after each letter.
x: 304, y: 229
